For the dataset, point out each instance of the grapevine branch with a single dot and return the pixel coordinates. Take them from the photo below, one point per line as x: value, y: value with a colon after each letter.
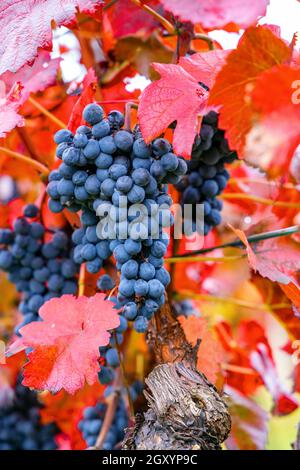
x: 165, y: 23
x: 207, y: 39
x: 128, y: 107
x: 108, y: 419
x: 118, y: 102
x: 230, y: 300
x: 238, y: 243
x: 124, y: 375
x: 47, y: 113
x: 26, y: 142
x: 238, y: 369
x: 244, y: 179
x: 196, y: 259
x: 261, y: 200
x: 19, y: 156
x: 110, y: 4
x: 81, y: 281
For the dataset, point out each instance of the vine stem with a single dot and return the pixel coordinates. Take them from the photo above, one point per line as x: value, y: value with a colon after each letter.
x: 110, y: 4
x: 207, y: 39
x: 119, y: 101
x: 81, y: 281
x: 276, y: 184
x: 19, y: 156
x: 237, y: 369
x: 195, y: 259
x: 251, y: 239
x: 261, y: 200
x: 231, y: 300
x: 124, y: 375
x: 165, y: 23
x: 128, y: 107
x: 109, y: 414
x: 47, y: 113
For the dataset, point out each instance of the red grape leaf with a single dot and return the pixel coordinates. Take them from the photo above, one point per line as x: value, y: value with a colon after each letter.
x: 249, y: 430
x: 9, y: 106
x: 258, y: 50
x: 34, y: 78
x: 271, y: 295
x: 205, y: 66
x: 66, y: 343
x: 127, y: 19
x: 15, y: 88
x: 285, y: 403
x: 87, y: 95
x: 209, y: 355
x: 278, y: 260
x: 177, y: 96
x: 250, y: 349
x: 276, y: 133
x: 238, y: 348
x: 25, y: 26
x: 212, y: 14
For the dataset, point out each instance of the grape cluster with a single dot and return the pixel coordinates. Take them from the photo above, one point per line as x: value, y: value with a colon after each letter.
x: 40, y: 270
x: 207, y: 176
x: 20, y: 426
x: 106, y: 172
x: 92, y: 422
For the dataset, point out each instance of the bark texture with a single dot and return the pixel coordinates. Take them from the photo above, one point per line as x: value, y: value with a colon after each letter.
x: 186, y: 412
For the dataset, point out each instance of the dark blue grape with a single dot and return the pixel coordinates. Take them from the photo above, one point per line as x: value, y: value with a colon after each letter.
x: 140, y: 324
x: 65, y: 187
x: 141, y: 177
x: 116, y: 171
x: 80, y: 140
x: 104, y: 161
x: 116, y: 119
x: 21, y: 226
x: 106, y: 375
x: 92, y: 185
x: 63, y: 135
x: 80, y: 177
x: 93, y: 113
x: 6, y: 260
x: 169, y: 162
x: 141, y: 149
x: 70, y: 157
x: 91, y: 150
x: 101, y: 129
x: 107, y: 145
x: 105, y: 283
x: 161, y: 146
x: 31, y: 211
x: 112, y: 357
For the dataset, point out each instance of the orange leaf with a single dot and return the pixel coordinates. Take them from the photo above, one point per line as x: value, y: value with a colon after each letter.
x: 209, y: 354
x: 258, y: 50
x: 66, y: 410
x: 276, y: 135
